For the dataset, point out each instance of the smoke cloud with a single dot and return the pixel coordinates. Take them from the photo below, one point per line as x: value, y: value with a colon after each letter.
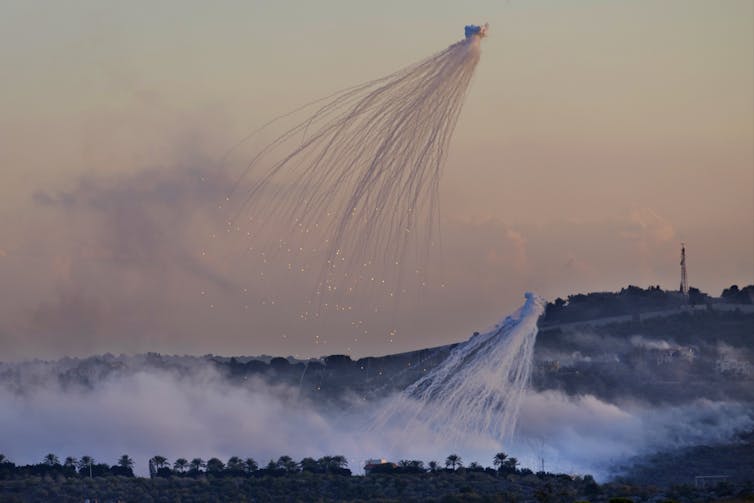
x: 148, y: 412
x: 584, y: 434
x: 151, y: 412
x: 138, y: 262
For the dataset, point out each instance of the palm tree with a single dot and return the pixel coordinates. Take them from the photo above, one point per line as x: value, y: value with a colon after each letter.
x: 432, y: 466
x: 250, y: 465
x: 51, y: 460
x: 84, y: 462
x: 159, y: 462
x: 125, y: 462
x: 70, y: 462
x: 197, y: 464
x: 453, y: 461
x: 180, y: 465
x: 511, y: 464
x: 499, y: 460
x: 234, y: 463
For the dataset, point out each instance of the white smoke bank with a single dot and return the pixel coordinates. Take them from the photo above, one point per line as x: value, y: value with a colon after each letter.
x: 584, y: 434
x: 156, y: 412
x: 655, y: 344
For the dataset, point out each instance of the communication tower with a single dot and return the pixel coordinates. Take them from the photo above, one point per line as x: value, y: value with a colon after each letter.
x: 684, y: 279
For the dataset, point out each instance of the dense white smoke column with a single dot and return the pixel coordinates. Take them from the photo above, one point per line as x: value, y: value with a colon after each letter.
x: 477, y: 391
x: 359, y: 177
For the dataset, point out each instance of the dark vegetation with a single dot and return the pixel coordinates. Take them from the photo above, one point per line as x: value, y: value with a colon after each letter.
x: 334, y: 377
x: 607, y: 362
x: 733, y: 463
x: 633, y: 299
x: 671, y: 356
x: 70, y: 467
x: 325, y: 479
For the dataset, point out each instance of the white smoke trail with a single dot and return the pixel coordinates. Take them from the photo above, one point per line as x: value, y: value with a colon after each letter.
x: 358, y: 179
x: 477, y: 390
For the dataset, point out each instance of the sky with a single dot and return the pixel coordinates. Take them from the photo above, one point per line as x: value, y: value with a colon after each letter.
x: 596, y: 137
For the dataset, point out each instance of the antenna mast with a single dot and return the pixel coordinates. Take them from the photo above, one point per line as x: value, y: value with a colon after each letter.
x: 684, y: 279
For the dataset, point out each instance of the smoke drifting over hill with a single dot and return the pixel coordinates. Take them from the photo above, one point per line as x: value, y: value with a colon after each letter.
x: 585, y: 434
x: 211, y: 406
x: 152, y: 411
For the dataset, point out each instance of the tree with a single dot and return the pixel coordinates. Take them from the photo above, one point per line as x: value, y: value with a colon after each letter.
x: 124, y: 467
x: 735, y: 295
x: 511, y: 464
x: 271, y: 466
x: 453, y: 461
x: 159, y: 467
x: 730, y: 292
x: 499, y: 460
x: 214, y: 465
x: 180, y: 465
x: 250, y: 465
x: 332, y: 463
x: 3, y: 459
x: 125, y: 462
x: 70, y: 462
x: 85, y: 463
x: 51, y: 460
x: 197, y: 464
x: 339, y: 461
x: 159, y: 462
x: 411, y: 465
x: 235, y: 464
x: 433, y: 465
x: 696, y: 296
x: 286, y: 463
x: 310, y: 465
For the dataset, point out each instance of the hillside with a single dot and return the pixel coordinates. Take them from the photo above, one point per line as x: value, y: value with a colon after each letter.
x: 639, y: 344
x: 634, y: 353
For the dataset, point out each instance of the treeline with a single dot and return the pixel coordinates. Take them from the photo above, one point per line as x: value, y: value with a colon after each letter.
x: 502, y: 463
x: 315, y: 480
x: 236, y: 466
x: 634, y: 299
x: 735, y: 295
x: 68, y: 468
x: 159, y: 466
